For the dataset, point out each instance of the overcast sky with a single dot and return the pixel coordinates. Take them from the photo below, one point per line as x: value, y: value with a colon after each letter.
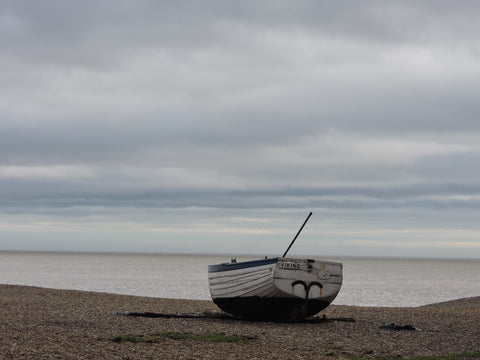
x: 217, y: 126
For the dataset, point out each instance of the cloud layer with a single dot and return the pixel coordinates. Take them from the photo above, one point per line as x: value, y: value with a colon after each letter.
x: 190, y: 116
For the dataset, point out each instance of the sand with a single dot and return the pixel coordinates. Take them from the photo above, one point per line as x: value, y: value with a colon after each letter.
x: 38, y: 323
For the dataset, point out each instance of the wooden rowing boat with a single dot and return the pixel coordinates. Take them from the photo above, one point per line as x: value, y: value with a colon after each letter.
x: 285, y: 289
x: 281, y: 288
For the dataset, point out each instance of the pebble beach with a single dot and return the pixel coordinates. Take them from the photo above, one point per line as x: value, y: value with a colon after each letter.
x: 39, y: 323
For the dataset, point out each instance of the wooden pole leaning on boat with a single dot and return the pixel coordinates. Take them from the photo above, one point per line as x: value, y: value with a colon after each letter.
x: 298, y: 233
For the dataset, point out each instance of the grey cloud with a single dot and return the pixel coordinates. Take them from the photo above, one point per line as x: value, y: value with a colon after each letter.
x: 365, y: 109
x: 109, y: 32
x: 107, y: 193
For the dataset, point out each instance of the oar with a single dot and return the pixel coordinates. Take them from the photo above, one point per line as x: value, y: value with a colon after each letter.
x: 298, y: 233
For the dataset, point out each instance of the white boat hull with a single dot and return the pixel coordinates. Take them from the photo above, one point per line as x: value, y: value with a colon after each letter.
x: 276, y: 289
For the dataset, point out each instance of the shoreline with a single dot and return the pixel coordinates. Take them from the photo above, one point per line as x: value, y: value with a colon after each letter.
x: 70, y: 324
x: 209, y: 300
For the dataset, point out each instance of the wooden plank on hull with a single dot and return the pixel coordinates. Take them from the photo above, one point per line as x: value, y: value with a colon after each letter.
x: 236, y: 283
x: 242, y: 290
x: 250, y: 275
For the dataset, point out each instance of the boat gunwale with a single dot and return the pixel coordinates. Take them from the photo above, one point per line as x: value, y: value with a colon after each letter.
x: 241, y: 265
x: 254, y: 263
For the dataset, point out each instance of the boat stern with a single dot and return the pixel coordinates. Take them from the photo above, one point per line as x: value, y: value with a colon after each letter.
x: 308, y: 279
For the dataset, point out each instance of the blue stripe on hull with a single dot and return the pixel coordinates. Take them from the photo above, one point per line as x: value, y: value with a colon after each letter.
x: 240, y: 265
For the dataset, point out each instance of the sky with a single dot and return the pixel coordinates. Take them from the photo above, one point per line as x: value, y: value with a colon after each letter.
x: 217, y: 126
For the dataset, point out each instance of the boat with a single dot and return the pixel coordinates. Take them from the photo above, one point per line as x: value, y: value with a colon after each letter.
x: 276, y: 289
x: 285, y: 289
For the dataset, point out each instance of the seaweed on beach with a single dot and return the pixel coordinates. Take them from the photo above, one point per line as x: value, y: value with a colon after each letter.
x: 223, y: 316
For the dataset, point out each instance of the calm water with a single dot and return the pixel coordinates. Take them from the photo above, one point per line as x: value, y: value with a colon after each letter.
x: 367, y: 281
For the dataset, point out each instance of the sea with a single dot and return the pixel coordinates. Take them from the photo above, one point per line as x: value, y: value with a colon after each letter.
x: 367, y: 281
